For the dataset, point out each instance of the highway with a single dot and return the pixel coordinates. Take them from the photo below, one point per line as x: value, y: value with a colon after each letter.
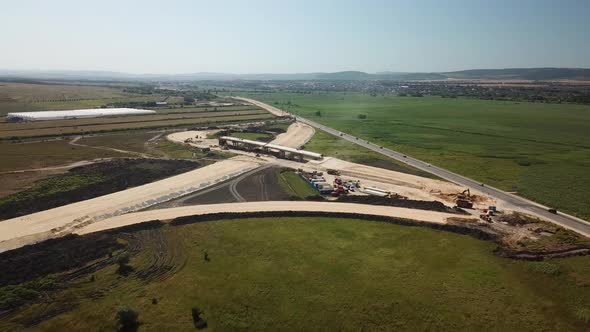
x: 520, y: 203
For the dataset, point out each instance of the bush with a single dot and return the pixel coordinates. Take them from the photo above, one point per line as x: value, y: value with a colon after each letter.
x: 544, y: 267
x: 362, y: 116
x: 127, y: 319
x: 583, y: 314
x: 199, y: 322
x: 123, y: 261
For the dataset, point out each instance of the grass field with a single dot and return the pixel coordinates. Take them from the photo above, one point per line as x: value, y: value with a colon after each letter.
x: 318, y: 274
x: 539, y: 150
x: 333, y: 146
x: 46, y: 154
x: 292, y: 184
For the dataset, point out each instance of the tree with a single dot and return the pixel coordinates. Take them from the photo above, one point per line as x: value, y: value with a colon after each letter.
x: 318, y: 113
x: 127, y: 318
x: 189, y: 100
x: 362, y: 116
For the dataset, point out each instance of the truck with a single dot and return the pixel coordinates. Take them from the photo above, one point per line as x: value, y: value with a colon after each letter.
x: 465, y: 204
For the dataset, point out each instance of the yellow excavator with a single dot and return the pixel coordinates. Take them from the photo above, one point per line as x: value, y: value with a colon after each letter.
x: 464, y: 200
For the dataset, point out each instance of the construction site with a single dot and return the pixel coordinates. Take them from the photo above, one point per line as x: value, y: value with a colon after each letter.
x: 249, y: 174
x: 328, y: 179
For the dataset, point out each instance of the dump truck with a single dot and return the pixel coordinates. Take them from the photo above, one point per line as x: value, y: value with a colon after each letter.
x: 465, y: 204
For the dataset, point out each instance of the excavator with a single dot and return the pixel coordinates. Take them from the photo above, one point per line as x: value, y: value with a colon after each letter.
x: 464, y: 200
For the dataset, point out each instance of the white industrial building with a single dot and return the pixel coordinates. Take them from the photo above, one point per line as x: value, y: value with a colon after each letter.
x: 75, y: 114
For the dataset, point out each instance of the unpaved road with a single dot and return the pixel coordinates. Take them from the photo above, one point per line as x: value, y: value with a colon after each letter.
x: 62, y: 220
x: 518, y: 203
x: 267, y: 107
x: 166, y: 214
x: 74, y: 142
x: 296, y: 135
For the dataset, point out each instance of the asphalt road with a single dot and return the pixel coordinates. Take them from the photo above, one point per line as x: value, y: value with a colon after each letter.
x: 565, y: 220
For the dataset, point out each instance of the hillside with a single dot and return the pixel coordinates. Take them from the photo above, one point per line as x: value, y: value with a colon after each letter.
x: 523, y: 74
x: 472, y: 74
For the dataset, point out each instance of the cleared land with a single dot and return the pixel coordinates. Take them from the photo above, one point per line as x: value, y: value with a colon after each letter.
x: 312, y: 274
x: 538, y: 150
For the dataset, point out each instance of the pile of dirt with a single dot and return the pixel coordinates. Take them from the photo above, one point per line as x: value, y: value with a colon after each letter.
x: 398, y: 202
x: 517, y: 219
x: 90, y: 181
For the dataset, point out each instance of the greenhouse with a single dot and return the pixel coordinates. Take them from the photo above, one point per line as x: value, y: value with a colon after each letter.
x: 75, y: 114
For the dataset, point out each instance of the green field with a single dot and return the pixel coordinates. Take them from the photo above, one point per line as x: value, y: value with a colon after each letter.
x: 333, y: 146
x: 294, y: 185
x: 318, y: 274
x: 539, y: 150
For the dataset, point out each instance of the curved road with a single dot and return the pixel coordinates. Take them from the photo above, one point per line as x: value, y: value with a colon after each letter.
x: 522, y: 204
x: 166, y: 214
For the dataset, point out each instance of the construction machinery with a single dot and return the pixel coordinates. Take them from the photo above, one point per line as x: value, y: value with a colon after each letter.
x: 464, y: 200
x: 333, y: 172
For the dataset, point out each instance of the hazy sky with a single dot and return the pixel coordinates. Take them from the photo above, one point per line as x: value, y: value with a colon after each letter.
x: 251, y: 36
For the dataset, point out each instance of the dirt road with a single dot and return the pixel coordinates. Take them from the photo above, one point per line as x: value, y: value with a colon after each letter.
x: 62, y: 220
x: 269, y: 108
x: 296, y: 135
x: 165, y: 214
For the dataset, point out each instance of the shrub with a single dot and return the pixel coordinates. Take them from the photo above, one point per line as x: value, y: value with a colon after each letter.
x: 583, y: 314
x: 123, y: 261
x: 127, y: 319
x: 199, y: 322
x: 544, y: 267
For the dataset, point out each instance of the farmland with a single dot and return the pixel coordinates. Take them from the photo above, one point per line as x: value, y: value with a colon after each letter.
x: 73, y: 127
x: 178, y: 108
x: 306, y: 273
x: 535, y: 149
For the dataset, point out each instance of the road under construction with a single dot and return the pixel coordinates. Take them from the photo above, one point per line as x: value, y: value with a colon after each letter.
x: 124, y: 206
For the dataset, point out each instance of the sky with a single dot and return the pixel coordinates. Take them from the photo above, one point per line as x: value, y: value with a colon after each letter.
x: 255, y: 36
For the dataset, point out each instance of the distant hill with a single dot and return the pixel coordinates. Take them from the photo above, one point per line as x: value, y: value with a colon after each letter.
x: 472, y: 74
x: 538, y: 74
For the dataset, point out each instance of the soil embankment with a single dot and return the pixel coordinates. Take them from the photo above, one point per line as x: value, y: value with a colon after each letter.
x: 90, y: 181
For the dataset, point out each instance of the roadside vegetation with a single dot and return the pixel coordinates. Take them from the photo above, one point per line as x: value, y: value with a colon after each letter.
x: 303, y: 274
x: 332, y: 146
x: 537, y: 150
